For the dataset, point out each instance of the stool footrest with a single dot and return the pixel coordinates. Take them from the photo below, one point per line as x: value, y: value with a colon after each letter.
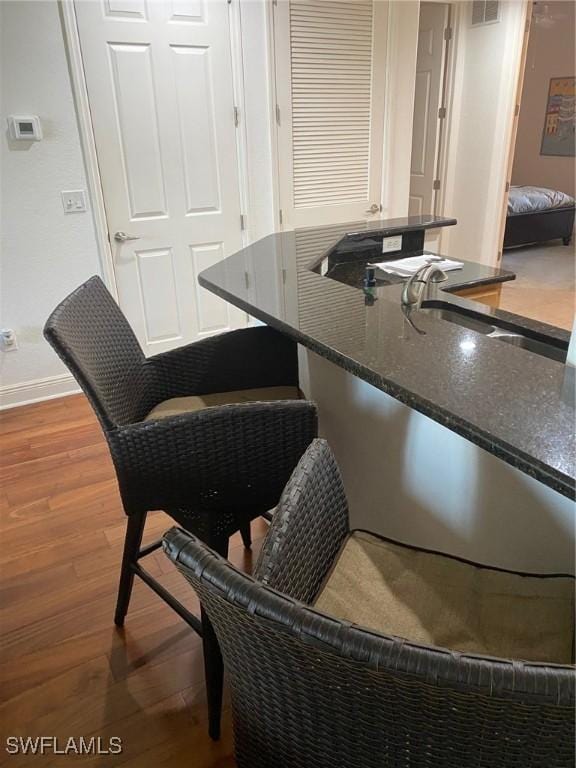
x: 190, y: 619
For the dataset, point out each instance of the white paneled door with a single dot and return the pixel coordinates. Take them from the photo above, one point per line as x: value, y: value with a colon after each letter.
x: 159, y: 78
x: 330, y: 83
x: 427, y: 104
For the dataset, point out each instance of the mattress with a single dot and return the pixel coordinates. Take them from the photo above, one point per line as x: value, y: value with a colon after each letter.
x: 530, y: 199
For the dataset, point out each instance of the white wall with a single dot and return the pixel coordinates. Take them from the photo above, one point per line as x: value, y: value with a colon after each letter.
x: 483, y: 96
x: 401, y: 53
x: 44, y: 253
x: 550, y: 54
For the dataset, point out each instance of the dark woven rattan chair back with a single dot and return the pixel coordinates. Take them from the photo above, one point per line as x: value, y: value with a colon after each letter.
x: 96, y: 342
x: 311, y: 691
x: 310, y: 525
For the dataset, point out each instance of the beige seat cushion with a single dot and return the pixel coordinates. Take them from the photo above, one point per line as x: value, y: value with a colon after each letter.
x: 437, y: 600
x: 178, y: 405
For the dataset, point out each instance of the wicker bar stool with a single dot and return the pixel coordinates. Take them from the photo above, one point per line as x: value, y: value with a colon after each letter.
x: 310, y: 688
x: 209, y: 433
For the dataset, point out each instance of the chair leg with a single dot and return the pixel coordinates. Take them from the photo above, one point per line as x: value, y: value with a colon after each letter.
x: 214, y: 676
x: 132, y: 542
x: 246, y: 533
x: 213, y: 664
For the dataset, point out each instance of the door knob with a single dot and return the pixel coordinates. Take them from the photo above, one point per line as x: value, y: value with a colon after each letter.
x: 122, y: 237
x: 374, y: 208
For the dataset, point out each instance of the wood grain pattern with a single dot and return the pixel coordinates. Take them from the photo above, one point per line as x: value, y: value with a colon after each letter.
x: 483, y: 294
x: 65, y: 670
x: 544, y: 288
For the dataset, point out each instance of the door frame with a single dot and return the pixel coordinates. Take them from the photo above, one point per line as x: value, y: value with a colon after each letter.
x: 272, y: 62
x: 88, y: 142
x: 514, y: 126
x: 281, y: 181
x: 447, y: 127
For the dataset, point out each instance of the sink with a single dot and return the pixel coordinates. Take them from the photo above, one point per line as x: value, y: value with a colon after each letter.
x: 544, y: 348
x: 500, y: 330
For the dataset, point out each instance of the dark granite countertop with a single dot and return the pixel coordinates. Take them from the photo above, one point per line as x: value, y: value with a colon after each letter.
x: 511, y: 402
x: 396, y: 226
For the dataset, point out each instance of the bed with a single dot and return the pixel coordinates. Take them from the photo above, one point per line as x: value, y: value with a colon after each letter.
x: 538, y: 214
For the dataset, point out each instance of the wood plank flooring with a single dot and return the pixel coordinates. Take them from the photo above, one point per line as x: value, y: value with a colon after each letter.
x: 65, y: 670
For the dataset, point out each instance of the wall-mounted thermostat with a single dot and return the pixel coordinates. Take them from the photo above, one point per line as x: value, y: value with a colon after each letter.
x: 25, y: 127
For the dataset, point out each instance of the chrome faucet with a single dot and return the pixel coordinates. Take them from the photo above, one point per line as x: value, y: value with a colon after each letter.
x: 413, y: 290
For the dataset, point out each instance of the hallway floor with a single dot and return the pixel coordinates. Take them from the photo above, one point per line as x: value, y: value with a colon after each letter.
x: 544, y: 288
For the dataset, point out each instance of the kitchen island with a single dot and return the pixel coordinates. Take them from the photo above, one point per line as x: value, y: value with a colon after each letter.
x: 447, y: 437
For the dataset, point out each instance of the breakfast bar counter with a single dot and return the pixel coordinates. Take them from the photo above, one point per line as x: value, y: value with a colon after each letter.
x: 509, y: 401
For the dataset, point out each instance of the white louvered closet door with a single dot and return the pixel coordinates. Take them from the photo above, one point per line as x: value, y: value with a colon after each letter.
x: 330, y: 76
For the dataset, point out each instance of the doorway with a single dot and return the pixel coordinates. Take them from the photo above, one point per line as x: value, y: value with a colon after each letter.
x: 159, y: 78
x: 430, y: 101
x: 539, y: 205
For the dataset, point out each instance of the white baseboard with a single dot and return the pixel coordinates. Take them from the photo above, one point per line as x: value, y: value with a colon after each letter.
x: 34, y: 391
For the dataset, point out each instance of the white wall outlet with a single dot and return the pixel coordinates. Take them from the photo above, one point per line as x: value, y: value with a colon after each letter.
x: 74, y: 201
x: 8, y: 340
x: 391, y: 244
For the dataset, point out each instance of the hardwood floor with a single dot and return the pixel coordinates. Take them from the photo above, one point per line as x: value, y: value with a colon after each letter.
x: 65, y: 670
x: 544, y: 287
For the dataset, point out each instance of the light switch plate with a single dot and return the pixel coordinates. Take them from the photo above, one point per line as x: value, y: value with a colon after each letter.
x: 392, y: 244
x: 74, y: 201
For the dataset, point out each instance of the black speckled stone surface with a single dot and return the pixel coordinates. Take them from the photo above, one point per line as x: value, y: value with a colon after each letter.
x: 385, y: 227
x: 511, y: 402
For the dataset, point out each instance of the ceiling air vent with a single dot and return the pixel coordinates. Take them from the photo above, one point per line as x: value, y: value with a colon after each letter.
x: 485, y: 12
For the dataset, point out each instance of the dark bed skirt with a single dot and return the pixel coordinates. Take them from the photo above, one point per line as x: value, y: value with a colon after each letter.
x: 539, y: 227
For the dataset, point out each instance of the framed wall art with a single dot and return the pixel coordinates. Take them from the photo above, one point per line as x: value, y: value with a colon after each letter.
x: 558, y: 136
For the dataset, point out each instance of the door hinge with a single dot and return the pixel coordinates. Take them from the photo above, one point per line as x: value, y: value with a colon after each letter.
x: 280, y: 215
x: 246, y: 279
x: 516, y: 110
x: 236, y: 117
x: 442, y: 113
x: 436, y: 184
x: 507, y: 187
x: 274, y: 2
x: 242, y: 221
x: 277, y: 114
x: 448, y: 33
